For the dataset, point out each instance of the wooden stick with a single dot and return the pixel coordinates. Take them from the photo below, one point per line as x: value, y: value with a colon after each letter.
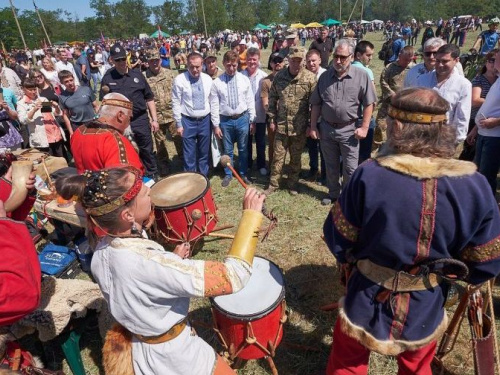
x: 491, y: 283
x: 51, y: 184
x: 220, y: 235
x: 222, y: 227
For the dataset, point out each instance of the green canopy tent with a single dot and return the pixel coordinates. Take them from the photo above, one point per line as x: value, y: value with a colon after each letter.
x: 163, y: 34
x: 330, y: 22
x: 185, y: 32
x: 261, y: 26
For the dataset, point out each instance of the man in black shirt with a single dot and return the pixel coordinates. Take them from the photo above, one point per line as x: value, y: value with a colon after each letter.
x: 133, y: 85
x: 324, y: 45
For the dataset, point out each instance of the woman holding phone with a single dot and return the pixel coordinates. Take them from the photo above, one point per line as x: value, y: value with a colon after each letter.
x: 37, y: 114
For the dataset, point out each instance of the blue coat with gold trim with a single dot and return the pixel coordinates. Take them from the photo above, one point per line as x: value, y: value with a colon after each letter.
x: 401, y: 210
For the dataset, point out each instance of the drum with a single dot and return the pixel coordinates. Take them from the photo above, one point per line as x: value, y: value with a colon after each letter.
x: 250, y: 323
x: 184, y: 209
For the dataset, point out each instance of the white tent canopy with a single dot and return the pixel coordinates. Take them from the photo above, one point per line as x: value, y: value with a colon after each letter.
x: 377, y: 21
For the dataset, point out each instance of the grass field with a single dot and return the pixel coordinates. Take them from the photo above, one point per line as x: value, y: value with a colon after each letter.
x: 310, y: 275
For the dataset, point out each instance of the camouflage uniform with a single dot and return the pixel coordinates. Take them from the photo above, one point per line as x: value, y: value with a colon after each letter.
x: 161, y: 85
x: 289, y: 109
x: 391, y: 81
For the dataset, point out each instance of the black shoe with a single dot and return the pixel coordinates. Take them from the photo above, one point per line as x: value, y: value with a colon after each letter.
x: 226, y: 181
x: 246, y: 180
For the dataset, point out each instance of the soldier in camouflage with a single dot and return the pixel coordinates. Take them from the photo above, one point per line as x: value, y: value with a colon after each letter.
x: 160, y: 80
x: 288, y: 115
x: 391, y: 81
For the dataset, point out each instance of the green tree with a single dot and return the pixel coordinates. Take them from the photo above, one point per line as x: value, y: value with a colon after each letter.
x: 170, y: 16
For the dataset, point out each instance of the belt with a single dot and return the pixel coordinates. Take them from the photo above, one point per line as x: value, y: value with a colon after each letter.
x: 397, y: 281
x: 171, y: 334
x: 339, y: 125
x: 234, y: 117
x: 195, y: 118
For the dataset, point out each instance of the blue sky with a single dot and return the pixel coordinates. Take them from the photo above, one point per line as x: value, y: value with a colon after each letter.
x: 80, y: 7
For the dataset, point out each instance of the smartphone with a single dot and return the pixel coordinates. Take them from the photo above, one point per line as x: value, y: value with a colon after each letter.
x: 46, y: 107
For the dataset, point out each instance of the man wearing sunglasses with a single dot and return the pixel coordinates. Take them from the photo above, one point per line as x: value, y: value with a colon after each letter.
x: 344, y: 94
x: 452, y: 86
x: 134, y: 86
x: 430, y: 49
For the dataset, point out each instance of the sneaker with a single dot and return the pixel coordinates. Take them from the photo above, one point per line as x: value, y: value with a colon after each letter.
x: 263, y: 171
x: 246, y: 180
x: 226, y: 181
x: 293, y: 192
x: 270, y: 190
x: 328, y: 201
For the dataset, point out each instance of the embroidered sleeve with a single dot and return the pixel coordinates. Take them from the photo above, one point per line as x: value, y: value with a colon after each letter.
x: 343, y: 226
x: 482, y: 253
x: 216, y: 279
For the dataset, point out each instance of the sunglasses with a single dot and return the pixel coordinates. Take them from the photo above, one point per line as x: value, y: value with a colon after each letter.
x: 491, y: 61
x: 120, y: 59
x: 38, y: 76
x: 340, y: 57
x: 429, y: 54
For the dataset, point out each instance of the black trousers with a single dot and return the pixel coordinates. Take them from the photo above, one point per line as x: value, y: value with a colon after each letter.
x: 142, y: 136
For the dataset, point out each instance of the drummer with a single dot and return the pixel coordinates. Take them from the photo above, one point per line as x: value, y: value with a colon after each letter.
x: 101, y: 143
x: 148, y: 289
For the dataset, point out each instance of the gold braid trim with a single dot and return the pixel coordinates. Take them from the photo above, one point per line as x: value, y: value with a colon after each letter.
x: 346, y: 229
x: 246, y: 237
x: 417, y: 117
x: 216, y: 279
x: 482, y: 253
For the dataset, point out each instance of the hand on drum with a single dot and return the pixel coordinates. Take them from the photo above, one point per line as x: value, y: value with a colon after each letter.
x: 183, y: 250
x: 253, y: 200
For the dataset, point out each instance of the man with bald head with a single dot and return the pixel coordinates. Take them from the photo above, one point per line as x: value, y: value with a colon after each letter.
x: 101, y: 143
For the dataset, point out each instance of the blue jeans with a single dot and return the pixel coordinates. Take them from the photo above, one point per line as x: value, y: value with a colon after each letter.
x: 236, y: 131
x: 260, y: 146
x: 487, y: 159
x: 365, y: 145
x: 96, y: 78
x: 196, y: 144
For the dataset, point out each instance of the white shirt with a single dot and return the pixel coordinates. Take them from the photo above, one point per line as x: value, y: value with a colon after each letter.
x: 419, y: 69
x: 457, y: 90
x: 260, y: 113
x: 490, y: 108
x: 69, y: 67
x: 182, y: 97
x: 253, y: 44
x: 219, y: 98
x: 10, y: 80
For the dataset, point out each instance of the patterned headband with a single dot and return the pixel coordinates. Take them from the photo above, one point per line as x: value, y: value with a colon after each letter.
x: 95, y: 189
x: 417, y: 117
x: 118, y: 103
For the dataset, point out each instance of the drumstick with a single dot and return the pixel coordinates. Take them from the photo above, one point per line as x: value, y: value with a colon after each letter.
x: 48, y: 174
x: 225, y: 161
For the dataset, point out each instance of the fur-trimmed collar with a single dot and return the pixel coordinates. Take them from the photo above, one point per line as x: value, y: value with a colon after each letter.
x: 423, y: 168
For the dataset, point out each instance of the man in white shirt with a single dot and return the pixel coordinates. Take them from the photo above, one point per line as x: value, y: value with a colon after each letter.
x: 256, y: 75
x: 254, y: 43
x: 456, y: 89
x: 191, y: 108
x: 233, y: 112
x: 64, y: 64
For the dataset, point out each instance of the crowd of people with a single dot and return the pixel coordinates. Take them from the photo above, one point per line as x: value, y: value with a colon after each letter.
x: 395, y: 218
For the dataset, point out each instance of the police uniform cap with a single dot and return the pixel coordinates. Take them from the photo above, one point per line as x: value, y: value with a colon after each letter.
x: 118, y: 52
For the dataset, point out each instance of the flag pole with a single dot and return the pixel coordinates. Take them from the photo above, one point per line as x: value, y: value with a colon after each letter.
x: 18, y: 25
x: 43, y: 26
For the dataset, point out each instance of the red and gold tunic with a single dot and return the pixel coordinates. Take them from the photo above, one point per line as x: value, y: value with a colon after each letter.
x: 97, y: 146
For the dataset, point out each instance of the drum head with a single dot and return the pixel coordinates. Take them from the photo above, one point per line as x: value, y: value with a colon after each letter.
x: 179, y: 190
x: 264, y: 291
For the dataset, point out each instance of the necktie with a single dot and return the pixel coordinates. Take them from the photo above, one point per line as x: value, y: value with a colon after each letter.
x: 198, y: 93
x: 232, y: 91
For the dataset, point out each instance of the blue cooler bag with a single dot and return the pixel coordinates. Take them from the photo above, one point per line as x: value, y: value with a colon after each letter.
x: 54, y: 260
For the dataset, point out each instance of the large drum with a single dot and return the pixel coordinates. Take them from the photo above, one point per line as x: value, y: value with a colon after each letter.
x: 184, y: 207
x: 250, y: 323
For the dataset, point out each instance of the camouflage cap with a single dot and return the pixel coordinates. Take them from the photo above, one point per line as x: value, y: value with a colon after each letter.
x: 299, y: 52
x: 153, y: 54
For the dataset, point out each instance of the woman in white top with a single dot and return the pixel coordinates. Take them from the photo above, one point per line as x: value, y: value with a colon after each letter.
x: 50, y: 72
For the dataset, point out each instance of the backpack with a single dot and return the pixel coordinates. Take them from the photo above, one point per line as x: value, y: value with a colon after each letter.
x: 385, y: 51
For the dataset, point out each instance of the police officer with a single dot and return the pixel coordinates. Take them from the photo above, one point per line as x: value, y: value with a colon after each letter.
x: 160, y: 80
x: 288, y: 114
x: 134, y: 86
